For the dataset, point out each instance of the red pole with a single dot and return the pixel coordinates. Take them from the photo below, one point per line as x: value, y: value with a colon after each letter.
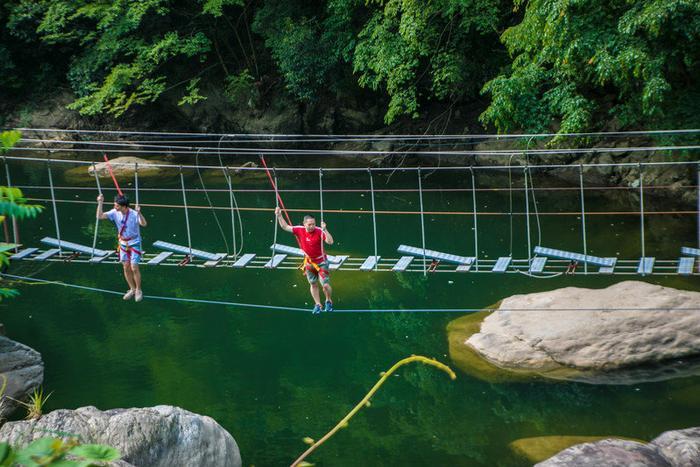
x: 114, y: 179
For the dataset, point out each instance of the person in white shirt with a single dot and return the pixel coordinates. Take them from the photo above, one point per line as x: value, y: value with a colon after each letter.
x: 128, y: 223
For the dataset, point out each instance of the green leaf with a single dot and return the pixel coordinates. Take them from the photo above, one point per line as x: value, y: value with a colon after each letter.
x: 96, y: 452
x: 5, y: 451
x: 9, y: 138
x: 37, y: 450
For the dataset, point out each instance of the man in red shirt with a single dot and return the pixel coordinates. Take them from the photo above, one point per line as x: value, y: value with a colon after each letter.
x: 310, y: 239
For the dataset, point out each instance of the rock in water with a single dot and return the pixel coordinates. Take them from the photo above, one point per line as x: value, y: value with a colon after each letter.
x: 679, y: 448
x: 597, y: 336
x: 152, y: 436
x: 24, y: 370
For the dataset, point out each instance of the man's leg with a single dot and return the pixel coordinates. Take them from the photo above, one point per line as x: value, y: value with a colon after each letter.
x: 328, y: 291
x: 315, y: 293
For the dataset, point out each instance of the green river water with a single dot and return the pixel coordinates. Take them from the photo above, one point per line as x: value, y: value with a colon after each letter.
x: 273, y: 377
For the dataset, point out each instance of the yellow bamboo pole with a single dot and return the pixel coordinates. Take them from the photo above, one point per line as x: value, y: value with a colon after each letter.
x: 365, y: 400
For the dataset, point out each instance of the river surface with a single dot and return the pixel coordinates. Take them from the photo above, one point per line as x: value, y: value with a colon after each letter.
x: 273, y: 377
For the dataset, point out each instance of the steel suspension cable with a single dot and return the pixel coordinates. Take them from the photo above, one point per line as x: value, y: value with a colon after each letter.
x: 320, y: 195
x: 527, y: 218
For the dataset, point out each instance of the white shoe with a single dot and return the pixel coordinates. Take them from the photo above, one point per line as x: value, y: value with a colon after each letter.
x: 139, y: 295
x: 129, y: 294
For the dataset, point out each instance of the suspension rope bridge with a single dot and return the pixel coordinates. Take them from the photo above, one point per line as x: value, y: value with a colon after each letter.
x: 541, y: 261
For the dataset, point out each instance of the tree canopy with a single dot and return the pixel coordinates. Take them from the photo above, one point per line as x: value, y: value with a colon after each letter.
x: 572, y: 65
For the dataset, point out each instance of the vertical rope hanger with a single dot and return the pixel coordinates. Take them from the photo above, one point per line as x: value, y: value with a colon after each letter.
x: 55, y: 209
x: 187, y: 216
x: 136, y: 182
x: 274, y: 221
x: 320, y: 195
x: 422, y: 221
x: 97, y: 219
x: 476, y: 227
x: 527, y: 218
x: 641, y: 212
x: 374, y: 216
x: 510, y: 198
x: 583, y: 217
x: 227, y: 177
x: 15, y: 227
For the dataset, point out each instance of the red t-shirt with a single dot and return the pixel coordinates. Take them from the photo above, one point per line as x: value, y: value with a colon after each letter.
x: 310, y: 242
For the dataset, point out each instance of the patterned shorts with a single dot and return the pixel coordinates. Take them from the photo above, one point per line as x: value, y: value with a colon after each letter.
x: 131, y: 255
x: 312, y: 275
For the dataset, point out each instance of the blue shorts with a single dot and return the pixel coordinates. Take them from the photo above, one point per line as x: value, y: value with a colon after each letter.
x: 132, y: 254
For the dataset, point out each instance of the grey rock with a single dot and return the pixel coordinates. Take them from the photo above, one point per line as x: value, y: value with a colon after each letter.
x: 152, y: 436
x: 597, y: 336
x: 24, y: 370
x: 680, y: 447
x: 608, y: 453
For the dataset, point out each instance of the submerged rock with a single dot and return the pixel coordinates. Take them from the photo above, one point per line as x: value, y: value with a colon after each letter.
x: 678, y: 448
x: 24, y: 370
x: 539, y: 448
x: 152, y: 436
x: 124, y: 168
x: 597, y: 336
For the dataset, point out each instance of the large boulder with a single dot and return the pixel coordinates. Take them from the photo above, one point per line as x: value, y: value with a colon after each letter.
x: 24, y: 370
x: 152, y: 436
x: 627, y: 333
x: 679, y: 448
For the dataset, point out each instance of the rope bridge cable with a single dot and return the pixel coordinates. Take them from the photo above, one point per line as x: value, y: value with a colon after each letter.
x: 376, y: 190
x: 476, y: 225
x: 267, y: 136
x: 358, y: 169
x: 422, y: 222
x: 213, y: 211
x: 583, y: 218
x: 337, y: 310
x: 235, y: 212
x: 212, y: 150
x: 389, y: 212
x: 374, y: 217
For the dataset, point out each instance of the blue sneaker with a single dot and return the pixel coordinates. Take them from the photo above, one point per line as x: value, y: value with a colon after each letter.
x: 316, y: 310
x: 329, y: 306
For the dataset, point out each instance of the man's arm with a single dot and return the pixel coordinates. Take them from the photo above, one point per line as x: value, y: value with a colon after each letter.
x: 142, y: 220
x: 282, y: 222
x: 326, y: 234
x: 100, y: 213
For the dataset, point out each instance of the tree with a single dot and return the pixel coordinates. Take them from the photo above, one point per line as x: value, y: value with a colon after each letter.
x: 588, y: 63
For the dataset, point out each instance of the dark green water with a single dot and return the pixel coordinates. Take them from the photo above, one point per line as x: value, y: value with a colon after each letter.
x: 271, y: 378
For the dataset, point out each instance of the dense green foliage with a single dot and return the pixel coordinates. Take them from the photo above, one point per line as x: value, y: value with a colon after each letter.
x: 54, y: 451
x: 568, y: 64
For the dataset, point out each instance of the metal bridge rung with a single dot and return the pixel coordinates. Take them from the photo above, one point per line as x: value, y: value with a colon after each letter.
x: 561, y: 254
x: 608, y: 269
x: 99, y: 259
x: 402, y: 264
x: 369, y: 263
x: 72, y: 246
x: 24, y: 253
x: 244, y: 260
x: 186, y: 251
x: 275, y: 261
x: 685, y: 265
x: 159, y: 258
x: 432, y: 254
x: 46, y: 255
x: 538, y: 264
x: 339, y: 260
x: 290, y: 250
x: 502, y: 264
x: 686, y: 250
x: 463, y: 268
x: 646, y: 265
